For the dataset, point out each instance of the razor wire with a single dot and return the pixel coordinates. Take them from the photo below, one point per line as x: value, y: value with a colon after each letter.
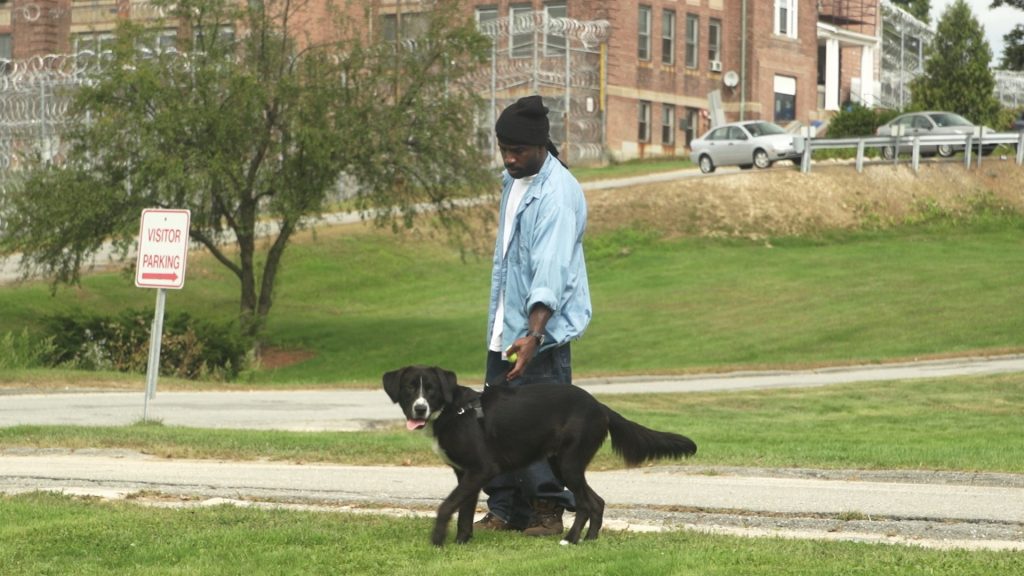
x: 34, y: 98
x: 904, y: 42
x: 567, y: 73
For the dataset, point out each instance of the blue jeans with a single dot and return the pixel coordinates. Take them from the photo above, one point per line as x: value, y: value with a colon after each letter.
x: 510, y: 494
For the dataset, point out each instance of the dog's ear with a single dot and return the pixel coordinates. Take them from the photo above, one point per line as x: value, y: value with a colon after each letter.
x: 448, y: 382
x: 391, y: 383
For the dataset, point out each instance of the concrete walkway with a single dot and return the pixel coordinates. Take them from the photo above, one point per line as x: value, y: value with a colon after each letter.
x: 342, y: 410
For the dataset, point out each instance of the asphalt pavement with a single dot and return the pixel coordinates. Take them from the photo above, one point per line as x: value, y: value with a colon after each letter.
x: 971, y: 511
x: 348, y: 410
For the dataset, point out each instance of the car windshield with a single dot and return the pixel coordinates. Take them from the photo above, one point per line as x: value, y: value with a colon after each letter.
x: 949, y: 119
x: 763, y: 129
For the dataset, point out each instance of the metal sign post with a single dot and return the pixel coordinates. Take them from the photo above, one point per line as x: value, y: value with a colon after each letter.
x: 163, y: 254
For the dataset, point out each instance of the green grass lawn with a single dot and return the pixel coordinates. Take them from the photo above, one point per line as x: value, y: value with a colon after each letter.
x: 944, y: 424
x: 366, y: 303
x: 58, y: 535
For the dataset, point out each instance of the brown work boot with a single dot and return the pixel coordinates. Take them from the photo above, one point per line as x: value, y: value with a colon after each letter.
x: 546, y: 520
x: 491, y: 522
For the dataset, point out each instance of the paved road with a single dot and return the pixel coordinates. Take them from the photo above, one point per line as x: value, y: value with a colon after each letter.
x: 930, y: 509
x: 974, y: 515
x: 345, y: 410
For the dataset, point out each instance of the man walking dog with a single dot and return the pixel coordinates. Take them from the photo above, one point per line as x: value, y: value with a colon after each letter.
x: 539, y: 303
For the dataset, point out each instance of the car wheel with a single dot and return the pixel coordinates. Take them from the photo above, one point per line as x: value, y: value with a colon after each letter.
x: 706, y: 165
x: 945, y: 150
x: 888, y: 153
x: 761, y: 159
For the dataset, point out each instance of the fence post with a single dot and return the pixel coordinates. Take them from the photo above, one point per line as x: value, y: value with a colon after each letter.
x: 860, y: 156
x: 915, y: 155
x: 967, y: 152
x: 1020, y: 149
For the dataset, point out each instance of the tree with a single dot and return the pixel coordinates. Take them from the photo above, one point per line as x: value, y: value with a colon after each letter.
x: 917, y: 8
x: 956, y: 74
x: 1013, y: 41
x: 255, y: 128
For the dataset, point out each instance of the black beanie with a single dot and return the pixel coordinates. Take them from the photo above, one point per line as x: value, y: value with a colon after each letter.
x: 524, y: 122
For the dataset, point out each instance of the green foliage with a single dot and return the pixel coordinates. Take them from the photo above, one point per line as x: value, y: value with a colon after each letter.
x: 917, y: 8
x: 857, y: 120
x: 1013, y: 49
x: 23, y: 350
x: 956, y: 75
x: 255, y: 128
x: 189, y: 348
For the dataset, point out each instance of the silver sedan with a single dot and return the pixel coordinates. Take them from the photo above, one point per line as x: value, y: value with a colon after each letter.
x: 744, y: 144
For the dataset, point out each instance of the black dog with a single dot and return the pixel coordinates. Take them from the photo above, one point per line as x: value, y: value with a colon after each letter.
x: 505, y: 429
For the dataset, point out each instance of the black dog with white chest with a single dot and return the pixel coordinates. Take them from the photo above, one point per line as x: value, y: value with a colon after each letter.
x: 502, y: 429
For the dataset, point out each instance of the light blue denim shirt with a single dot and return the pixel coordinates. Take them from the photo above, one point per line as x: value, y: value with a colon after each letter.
x: 544, y: 263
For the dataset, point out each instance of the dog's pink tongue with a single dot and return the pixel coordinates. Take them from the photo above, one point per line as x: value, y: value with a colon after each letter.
x: 415, y: 424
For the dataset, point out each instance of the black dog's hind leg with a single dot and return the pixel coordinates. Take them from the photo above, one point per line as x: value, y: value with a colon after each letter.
x: 596, y: 511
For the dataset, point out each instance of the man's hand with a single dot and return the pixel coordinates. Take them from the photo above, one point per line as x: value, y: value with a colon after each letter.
x: 525, y: 349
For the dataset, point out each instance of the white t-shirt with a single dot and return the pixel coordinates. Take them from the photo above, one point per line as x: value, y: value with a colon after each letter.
x: 515, y: 198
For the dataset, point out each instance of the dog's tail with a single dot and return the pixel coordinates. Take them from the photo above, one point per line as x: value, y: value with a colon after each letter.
x: 636, y: 443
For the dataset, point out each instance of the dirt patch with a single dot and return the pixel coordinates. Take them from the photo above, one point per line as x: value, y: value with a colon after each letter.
x: 271, y: 358
x: 783, y: 201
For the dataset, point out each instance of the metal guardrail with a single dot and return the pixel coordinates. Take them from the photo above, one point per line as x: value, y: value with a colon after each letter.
x: 970, y: 144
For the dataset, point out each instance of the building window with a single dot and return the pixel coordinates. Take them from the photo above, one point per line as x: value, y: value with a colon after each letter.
x: 521, y: 36
x: 785, y: 99
x: 94, y: 42
x: 785, y: 18
x: 644, y: 34
x: 692, y: 39
x: 554, y: 44
x: 691, y: 126
x: 715, y: 40
x: 5, y: 53
x: 485, y: 14
x: 668, y: 36
x: 668, y: 124
x: 644, y: 122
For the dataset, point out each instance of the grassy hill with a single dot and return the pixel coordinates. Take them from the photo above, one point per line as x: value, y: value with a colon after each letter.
x: 748, y: 271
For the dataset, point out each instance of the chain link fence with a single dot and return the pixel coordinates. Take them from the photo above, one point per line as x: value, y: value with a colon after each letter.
x: 558, y: 58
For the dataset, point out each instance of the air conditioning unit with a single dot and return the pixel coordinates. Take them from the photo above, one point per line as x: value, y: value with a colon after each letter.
x: 716, y: 65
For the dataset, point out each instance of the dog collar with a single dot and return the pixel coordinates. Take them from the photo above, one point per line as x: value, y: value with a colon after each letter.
x: 475, y: 406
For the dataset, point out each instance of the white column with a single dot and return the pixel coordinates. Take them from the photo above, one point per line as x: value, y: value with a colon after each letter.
x: 831, y: 74
x: 867, y: 75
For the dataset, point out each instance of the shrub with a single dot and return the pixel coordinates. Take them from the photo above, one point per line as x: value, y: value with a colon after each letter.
x: 189, y: 348
x: 856, y: 120
x: 23, y: 350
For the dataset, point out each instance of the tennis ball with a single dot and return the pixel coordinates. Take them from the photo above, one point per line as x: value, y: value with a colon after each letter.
x: 512, y: 357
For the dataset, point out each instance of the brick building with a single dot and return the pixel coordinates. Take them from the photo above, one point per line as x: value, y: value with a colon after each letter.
x: 661, y: 73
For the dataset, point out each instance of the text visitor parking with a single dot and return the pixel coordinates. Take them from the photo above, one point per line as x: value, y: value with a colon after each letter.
x: 163, y: 249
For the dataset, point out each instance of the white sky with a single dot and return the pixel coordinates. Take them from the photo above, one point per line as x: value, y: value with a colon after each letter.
x: 997, y: 23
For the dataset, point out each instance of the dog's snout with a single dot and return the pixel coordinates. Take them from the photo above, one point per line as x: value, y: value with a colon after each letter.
x: 420, y: 408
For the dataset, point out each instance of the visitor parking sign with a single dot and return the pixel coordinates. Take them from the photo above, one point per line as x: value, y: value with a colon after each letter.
x: 163, y: 248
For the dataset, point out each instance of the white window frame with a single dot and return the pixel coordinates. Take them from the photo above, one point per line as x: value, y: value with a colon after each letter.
x: 692, y: 40
x: 644, y: 33
x: 715, y: 39
x: 668, y: 36
x: 485, y: 14
x: 555, y: 45
x: 668, y: 124
x: 520, y: 44
x: 644, y: 121
x: 785, y: 16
